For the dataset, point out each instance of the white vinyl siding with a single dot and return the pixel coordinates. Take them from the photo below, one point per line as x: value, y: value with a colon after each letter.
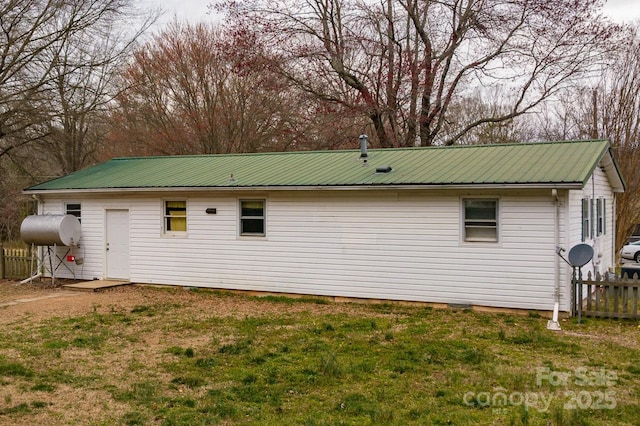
x: 397, y: 245
x: 596, y: 189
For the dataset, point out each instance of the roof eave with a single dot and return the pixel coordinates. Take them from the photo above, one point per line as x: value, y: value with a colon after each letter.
x: 546, y: 185
x: 607, y: 161
x: 612, y: 169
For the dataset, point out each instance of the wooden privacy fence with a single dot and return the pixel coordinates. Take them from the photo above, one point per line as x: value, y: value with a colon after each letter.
x: 15, y: 263
x: 611, y: 296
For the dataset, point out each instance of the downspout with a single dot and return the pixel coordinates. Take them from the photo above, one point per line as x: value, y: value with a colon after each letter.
x: 556, y: 235
x: 553, y: 323
x: 614, y: 234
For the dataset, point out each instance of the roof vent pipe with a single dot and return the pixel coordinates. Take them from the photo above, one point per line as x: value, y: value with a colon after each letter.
x: 363, y: 146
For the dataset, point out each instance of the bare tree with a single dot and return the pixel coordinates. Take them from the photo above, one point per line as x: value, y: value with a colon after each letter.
x: 489, y: 103
x: 13, y: 206
x: 195, y: 89
x: 84, y: 84
x: 615, y: 115
x: 404, y: 64
x: 33, y: 34
x: 609, y: 108
x: 57, y: 58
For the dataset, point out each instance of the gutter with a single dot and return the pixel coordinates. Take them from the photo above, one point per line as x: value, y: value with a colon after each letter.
x: 562, y: 185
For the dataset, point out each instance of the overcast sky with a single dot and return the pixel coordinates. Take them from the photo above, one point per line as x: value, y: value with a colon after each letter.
x: 191, y: 10
x: 196, y: 10
x: 623, y: 10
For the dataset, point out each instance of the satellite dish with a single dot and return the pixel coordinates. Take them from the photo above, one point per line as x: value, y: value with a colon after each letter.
x: 580, y: 255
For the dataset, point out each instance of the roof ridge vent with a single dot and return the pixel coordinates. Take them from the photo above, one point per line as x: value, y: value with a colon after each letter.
x: 383, y: 169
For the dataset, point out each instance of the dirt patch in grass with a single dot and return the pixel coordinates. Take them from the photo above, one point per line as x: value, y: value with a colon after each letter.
x: 138, y: 355
x: 34, y: 305
x: 40, y: 300
x: 616, y: 332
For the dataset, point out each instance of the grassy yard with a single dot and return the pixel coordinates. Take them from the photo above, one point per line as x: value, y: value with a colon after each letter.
x: 172, y: 361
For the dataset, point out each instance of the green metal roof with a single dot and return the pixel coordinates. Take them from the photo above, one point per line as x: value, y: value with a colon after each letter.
x: 562, y: 164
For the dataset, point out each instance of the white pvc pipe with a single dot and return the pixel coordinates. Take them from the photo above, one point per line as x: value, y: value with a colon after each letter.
x: 38, y: 275
x: 556, y: 306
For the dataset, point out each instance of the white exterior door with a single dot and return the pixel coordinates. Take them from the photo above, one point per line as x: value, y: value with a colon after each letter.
x: 117, y: 244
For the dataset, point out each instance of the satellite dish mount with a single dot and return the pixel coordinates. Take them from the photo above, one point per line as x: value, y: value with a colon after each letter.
x: 579, y: 255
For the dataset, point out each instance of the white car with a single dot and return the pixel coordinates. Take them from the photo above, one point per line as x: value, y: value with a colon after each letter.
x: 631, y: 251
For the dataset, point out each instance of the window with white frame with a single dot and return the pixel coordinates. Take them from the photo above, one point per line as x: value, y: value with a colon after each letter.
x: 252, y: 217
x: 175, y: 216
x: 586, y: 219
x: 480, y: 219
x: 74, y: 209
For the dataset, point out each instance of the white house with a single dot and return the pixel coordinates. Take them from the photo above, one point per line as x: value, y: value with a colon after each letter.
x: 475, y: 225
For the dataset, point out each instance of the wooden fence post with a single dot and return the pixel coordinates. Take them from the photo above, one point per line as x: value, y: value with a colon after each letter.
x: 1, y: 261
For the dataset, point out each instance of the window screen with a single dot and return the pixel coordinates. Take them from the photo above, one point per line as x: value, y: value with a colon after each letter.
x: 481, y: 220
x: 252, y: 217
